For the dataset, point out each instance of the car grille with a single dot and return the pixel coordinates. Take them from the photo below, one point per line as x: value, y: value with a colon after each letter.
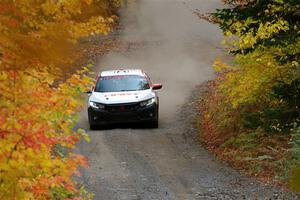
x: 122, y: 107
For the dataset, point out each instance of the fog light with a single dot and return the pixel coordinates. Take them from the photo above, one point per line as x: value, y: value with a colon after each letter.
x: 95, y: 117
x: 151, y: 114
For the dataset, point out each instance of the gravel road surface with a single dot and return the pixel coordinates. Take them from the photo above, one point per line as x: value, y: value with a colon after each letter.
x: 135, y: 163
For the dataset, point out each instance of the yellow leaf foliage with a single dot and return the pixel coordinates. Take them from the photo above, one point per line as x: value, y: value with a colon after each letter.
x: 37, y: 108
x: 252, y: 78
x: 35, y: 119
x: 42, y: 33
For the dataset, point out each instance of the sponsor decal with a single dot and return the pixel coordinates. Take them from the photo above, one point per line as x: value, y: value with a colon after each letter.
x: 120, y: 94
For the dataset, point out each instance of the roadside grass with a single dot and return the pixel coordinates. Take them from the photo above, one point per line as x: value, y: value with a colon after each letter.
x: 267, y: 156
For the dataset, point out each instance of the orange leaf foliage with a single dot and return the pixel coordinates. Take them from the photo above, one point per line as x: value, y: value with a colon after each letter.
x: 36, y: 124
x: 37, y: 109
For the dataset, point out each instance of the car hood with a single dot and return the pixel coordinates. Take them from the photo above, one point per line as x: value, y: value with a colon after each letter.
x: 121, y: 97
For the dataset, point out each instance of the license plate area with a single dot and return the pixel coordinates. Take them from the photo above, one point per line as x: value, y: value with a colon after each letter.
x: 122, y: 107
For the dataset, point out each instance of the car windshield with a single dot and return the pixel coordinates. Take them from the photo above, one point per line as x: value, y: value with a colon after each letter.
x: 121, y: 83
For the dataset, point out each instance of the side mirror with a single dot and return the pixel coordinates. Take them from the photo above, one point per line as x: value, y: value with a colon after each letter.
x: 156, y: 86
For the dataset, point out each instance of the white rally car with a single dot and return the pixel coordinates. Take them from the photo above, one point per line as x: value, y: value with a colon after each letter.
x: 125, y: 95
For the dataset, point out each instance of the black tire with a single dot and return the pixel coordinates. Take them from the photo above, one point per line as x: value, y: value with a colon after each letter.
x: 154, y: 124
x: 93, y: 127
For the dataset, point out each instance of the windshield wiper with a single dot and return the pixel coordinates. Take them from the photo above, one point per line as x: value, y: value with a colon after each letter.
x: 127, y: 90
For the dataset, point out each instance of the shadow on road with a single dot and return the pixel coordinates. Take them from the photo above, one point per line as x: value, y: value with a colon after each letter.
x: 142, y: 126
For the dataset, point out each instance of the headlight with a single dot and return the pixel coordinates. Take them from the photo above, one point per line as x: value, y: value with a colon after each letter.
x: 148, y: 102
x: 96, y: 105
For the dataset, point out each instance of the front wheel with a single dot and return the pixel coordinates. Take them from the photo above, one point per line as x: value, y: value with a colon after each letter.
x: 154, y: 124
x: 93, y: 127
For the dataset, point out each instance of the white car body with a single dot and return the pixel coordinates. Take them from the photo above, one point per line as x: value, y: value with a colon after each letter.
x: 130, y: 102
x: 122, y: 97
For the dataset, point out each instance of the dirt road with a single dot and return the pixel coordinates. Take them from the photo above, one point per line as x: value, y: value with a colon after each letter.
x: 166, y: 163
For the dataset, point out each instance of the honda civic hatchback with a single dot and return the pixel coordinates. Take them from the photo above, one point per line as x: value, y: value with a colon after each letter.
x: 121, y: 96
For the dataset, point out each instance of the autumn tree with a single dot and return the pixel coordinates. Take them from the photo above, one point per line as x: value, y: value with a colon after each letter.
x: 257, y: 94
x: 37, y: 106
x: 264, y: 37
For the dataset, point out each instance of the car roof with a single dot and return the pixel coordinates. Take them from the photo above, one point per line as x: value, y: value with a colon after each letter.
x: 121, y: 72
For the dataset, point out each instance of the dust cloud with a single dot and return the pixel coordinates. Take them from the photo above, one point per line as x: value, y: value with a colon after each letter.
x: 179, y: 52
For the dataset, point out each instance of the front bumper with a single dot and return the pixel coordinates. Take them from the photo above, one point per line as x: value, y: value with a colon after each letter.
x: 142, y: 114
